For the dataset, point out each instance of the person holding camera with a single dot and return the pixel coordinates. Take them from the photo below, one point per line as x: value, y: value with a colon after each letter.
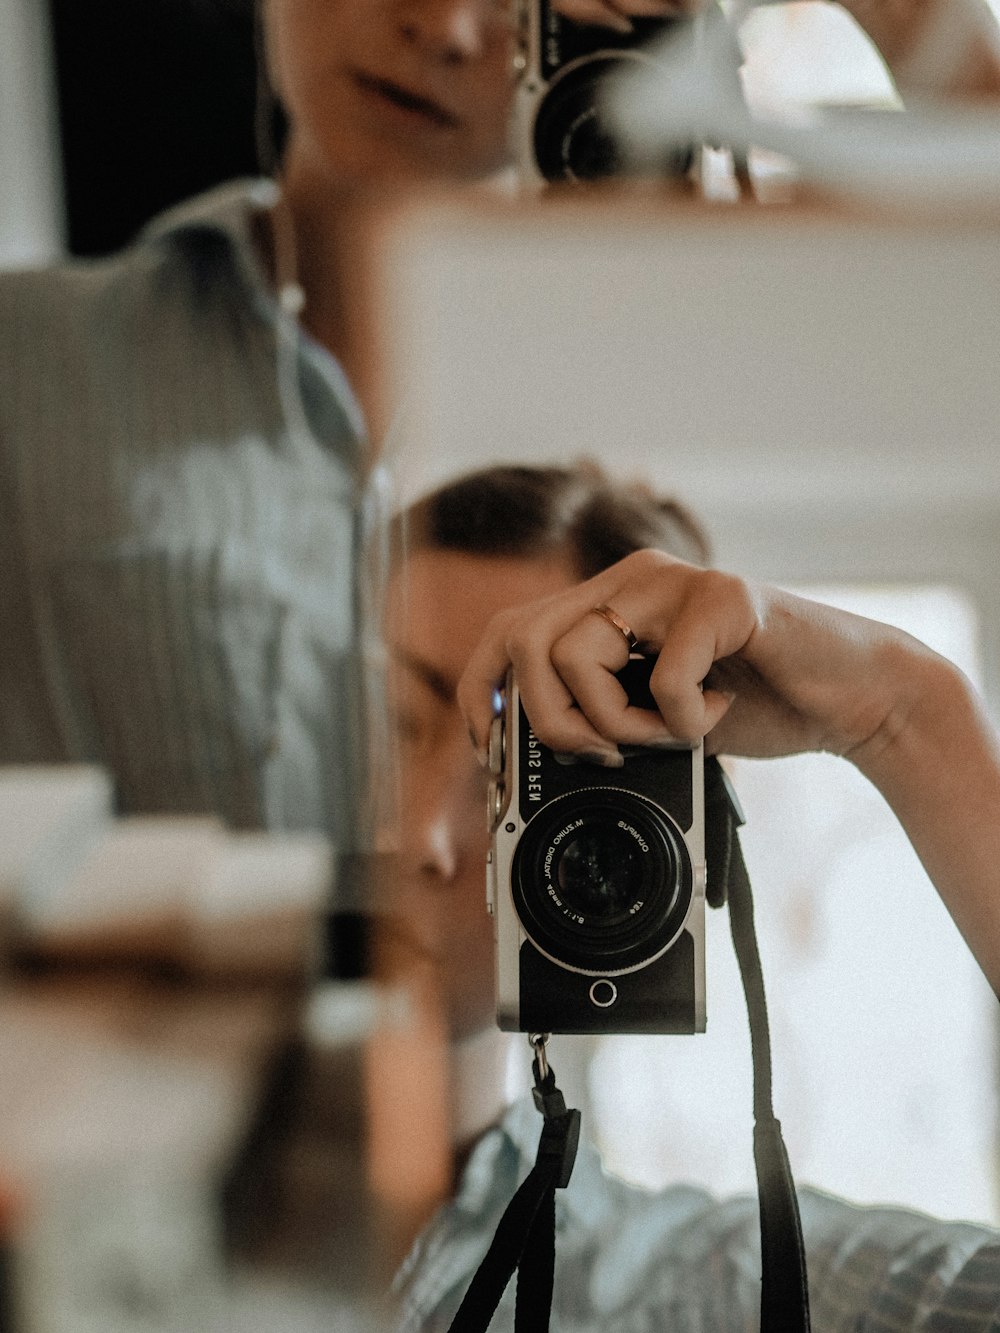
x: 781, y: 675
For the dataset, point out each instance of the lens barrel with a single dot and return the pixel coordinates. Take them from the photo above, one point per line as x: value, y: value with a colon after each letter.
x: 572, y: 142
x: 601, y: 880
x: 573, y: 139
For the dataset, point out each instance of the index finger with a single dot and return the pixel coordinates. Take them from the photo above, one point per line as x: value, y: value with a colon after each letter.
x: 521, y: 637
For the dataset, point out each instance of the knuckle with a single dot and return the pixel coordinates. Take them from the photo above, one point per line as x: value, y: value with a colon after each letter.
x: 548, y: 731
x: 647, y: 562
x: 666, y: 686
x: 502, y: 623
x: 529, y: 641
x: 680, y: 708
x: 607, y: 720
x: 728, y: 590
x: 563, y: 658
x: 520, y: 645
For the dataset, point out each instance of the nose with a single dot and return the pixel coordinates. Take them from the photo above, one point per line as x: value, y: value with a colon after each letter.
x: 443, y: 827
x: 451, y: 31
x: 436, y: 850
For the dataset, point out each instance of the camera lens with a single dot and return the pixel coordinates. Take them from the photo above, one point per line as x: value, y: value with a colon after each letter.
x: 601, y: 880
x: 572, y: 142
x: 573, y: 139
x: 599, y: 873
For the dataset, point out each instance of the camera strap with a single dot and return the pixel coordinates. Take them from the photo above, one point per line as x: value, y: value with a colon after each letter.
x: 525, y: 1237
x: 784, y: 1294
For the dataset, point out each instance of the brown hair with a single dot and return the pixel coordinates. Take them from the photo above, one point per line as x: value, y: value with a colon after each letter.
x: 516, y: 510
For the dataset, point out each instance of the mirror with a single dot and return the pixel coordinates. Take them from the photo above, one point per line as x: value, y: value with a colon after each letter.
x: 815, y: 376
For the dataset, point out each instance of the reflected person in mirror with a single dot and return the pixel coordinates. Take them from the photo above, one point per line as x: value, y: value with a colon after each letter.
x: 782, y: 675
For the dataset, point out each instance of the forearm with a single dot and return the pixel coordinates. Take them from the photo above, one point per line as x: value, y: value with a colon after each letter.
x: 937, y: 763
x: 943, y: 49
x: 758, y: 671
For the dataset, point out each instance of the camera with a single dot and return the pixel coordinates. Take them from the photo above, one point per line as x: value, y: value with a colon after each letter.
x: 562, y: 129
x: 596, y: 881
x: 560, y: 132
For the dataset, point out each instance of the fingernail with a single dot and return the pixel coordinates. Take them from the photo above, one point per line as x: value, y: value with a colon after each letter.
x: 482, y: 751
x: 606, y: 758
x: 666, y: 743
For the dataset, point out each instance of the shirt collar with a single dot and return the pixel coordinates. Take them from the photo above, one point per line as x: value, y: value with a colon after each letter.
x: 505, y: 1155
x: 227, y: 210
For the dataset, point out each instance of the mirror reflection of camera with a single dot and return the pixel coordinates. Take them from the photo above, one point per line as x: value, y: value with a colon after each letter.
x: 596, y: 882
x: 562, y: 130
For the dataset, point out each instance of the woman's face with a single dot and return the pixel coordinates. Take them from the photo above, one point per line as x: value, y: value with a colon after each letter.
x: 393, y: 90
x: 438, y: 607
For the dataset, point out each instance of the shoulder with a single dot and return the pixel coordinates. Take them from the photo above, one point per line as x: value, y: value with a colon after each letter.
x: 872, y: 1261
x: 630, y: 1259
x: 85, y: 339
x: 680, y: 1257
x: 188, y: 256
x: 898, y: 1265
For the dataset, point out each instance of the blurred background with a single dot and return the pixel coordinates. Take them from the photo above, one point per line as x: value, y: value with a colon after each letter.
x: 94, y: 139
x: 886, y: 1082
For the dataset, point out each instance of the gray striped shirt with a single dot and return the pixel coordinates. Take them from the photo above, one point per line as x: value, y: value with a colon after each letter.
x: 178, y: 565
x: 679, y: 1261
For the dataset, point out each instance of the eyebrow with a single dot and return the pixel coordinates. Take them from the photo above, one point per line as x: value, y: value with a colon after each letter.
x: 436, y: 681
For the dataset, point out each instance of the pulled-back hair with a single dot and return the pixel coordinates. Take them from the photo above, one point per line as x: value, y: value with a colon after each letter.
x: 524, y: 511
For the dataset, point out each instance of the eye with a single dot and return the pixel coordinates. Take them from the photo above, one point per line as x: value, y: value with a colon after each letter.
x: 408, y: 726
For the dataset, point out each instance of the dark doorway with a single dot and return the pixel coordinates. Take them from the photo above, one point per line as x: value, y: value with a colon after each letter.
x: 156, y: 102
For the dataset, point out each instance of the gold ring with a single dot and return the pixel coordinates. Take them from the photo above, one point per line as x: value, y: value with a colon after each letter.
x: 615, y: 620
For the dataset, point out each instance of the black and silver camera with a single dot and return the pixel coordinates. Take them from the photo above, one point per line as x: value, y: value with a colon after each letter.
x: 596, y: 882
x: 563, y: 131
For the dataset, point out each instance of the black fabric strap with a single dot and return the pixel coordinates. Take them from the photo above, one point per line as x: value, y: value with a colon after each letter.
x: 784, y: 1297
x: 535, y: 1196
x: 536, y: 1271
x: 525, y: 1238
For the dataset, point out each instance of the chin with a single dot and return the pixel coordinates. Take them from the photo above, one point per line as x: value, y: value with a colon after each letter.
x: 466, y: 1026
x: 379, y: 165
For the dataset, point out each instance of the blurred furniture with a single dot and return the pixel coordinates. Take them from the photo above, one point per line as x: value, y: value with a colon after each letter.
x: 177, y: 1154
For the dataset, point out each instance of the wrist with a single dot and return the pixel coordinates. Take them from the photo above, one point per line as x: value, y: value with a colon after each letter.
x: 938, y: 49
x: 931, y: 705
x: 937, y: 763
x: 891, y: 26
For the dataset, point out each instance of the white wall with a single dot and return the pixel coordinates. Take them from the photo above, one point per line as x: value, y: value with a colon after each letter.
x: 31, y: 210
x: 822, y: 388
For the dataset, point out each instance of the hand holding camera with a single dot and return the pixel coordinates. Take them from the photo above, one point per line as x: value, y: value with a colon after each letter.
x: 596, y: 881
x: 755, y: 670
x: 752, y: 669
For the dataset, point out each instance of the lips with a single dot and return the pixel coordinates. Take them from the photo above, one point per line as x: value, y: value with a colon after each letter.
x: 407, y: 100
